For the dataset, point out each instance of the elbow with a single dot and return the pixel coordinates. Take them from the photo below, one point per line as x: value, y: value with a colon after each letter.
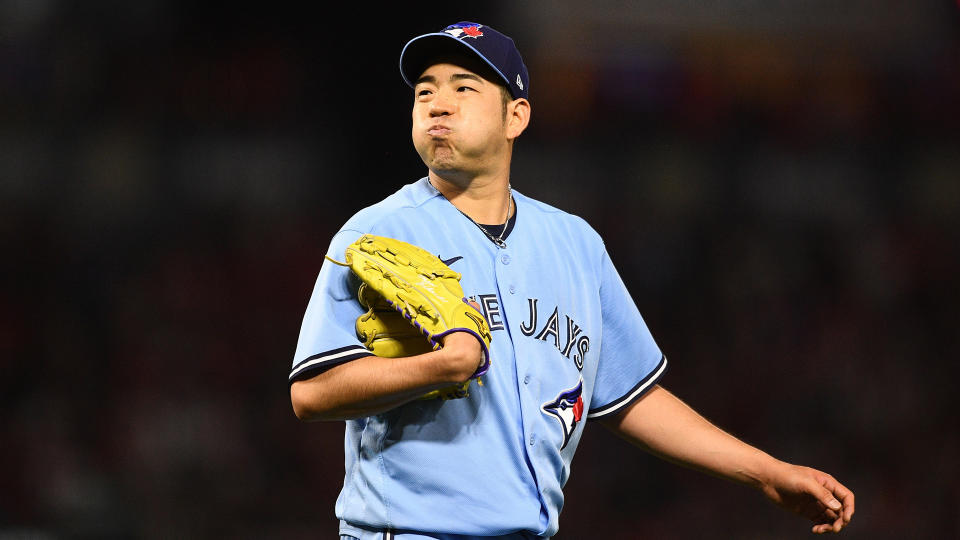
x: 306, y: 399
x: 304, y: 414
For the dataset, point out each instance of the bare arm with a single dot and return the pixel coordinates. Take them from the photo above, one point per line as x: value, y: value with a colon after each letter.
x: 372, y: 384
x: 666, y: 427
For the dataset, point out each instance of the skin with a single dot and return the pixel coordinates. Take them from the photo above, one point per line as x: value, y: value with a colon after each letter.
x: 464, y: 131
x: 663, y: 425
x: 372, y: 385
x: 464, y: 134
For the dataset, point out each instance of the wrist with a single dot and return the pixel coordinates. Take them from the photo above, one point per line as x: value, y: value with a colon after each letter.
x: 755, y: 469
x: 765, y: 471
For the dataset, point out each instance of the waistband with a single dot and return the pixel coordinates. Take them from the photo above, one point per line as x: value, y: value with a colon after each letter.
x: 350, y: 531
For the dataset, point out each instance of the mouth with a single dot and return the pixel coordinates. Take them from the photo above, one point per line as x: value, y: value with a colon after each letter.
x: 438, y: 131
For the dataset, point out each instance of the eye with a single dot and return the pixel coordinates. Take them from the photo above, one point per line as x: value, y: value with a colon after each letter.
x: 465, y: 88
x: 424, y: 92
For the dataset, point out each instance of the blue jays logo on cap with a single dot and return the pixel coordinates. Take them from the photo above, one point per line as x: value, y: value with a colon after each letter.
x: 464, y: 30
x: 567, y: 409
x: 496, y: 50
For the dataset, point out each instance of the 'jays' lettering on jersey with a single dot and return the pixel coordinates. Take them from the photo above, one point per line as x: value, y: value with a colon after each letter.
x: 569, y: 345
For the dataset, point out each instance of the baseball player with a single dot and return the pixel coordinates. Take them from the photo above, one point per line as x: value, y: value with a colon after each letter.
x: 567, y: 343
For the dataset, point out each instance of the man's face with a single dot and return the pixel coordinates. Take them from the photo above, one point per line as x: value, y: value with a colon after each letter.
x: 458, y: 122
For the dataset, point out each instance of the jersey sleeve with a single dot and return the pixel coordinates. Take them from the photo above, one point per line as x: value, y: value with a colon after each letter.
x: 630, y: 361
x: 327, y: 334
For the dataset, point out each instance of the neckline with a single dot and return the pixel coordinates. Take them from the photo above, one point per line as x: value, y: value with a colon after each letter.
x: 495, y: 230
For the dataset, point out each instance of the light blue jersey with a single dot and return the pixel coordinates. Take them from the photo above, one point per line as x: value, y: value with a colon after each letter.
x: 568, y: 345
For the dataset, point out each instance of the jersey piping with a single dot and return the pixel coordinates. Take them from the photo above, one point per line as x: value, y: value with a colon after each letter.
x: 634, y: 393
x: 312, y: 365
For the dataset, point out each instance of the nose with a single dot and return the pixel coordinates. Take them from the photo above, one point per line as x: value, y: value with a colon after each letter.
x: 442, y: 104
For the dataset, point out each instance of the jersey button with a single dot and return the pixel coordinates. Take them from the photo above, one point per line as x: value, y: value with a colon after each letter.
x: 505, y: 259
x: 533, y: 440
x: 513, y: 289
x: 526, y: 380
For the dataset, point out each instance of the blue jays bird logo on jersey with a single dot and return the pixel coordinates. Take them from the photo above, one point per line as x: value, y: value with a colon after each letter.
x: 567, y: 408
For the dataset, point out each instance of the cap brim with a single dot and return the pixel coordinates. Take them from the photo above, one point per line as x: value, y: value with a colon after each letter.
x: 421, y: 50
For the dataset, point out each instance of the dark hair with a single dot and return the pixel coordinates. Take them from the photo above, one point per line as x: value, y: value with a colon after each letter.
x: 505, y: 98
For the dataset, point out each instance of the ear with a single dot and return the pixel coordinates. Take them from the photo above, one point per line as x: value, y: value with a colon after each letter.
x: 518, y: 117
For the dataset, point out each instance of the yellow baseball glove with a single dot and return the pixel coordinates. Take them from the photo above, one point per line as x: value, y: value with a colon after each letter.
x: 385, y: 332
x: 422, y: 291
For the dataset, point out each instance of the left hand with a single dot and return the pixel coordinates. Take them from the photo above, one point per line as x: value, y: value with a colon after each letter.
x: 813, y: 494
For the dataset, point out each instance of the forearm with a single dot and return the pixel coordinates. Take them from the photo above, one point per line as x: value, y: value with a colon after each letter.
x: 665, y: 426
x: 374, y: 384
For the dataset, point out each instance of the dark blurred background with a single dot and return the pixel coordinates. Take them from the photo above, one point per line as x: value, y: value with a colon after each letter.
x: 778, y: 183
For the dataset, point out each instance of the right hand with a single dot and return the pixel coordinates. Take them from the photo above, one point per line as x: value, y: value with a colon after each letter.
x: 463, y: 353
x: 464, y: 348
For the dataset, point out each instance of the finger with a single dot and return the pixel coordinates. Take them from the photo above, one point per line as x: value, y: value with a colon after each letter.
x: 839, y: 524
x: 832, y: 522
x: 835, y: 523
x: 847, y: 498
x: 844, y: 495
x: 828, y: 527
x: 825, y: 495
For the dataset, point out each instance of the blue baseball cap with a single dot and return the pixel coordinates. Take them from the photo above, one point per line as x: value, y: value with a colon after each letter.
x: 493, y: 48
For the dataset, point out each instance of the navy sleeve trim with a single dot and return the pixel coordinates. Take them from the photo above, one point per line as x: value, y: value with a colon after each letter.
x: 326, y: 360
x: 634, y: 393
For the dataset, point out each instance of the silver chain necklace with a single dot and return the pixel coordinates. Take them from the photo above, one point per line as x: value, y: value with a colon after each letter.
x: 498, y: 240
